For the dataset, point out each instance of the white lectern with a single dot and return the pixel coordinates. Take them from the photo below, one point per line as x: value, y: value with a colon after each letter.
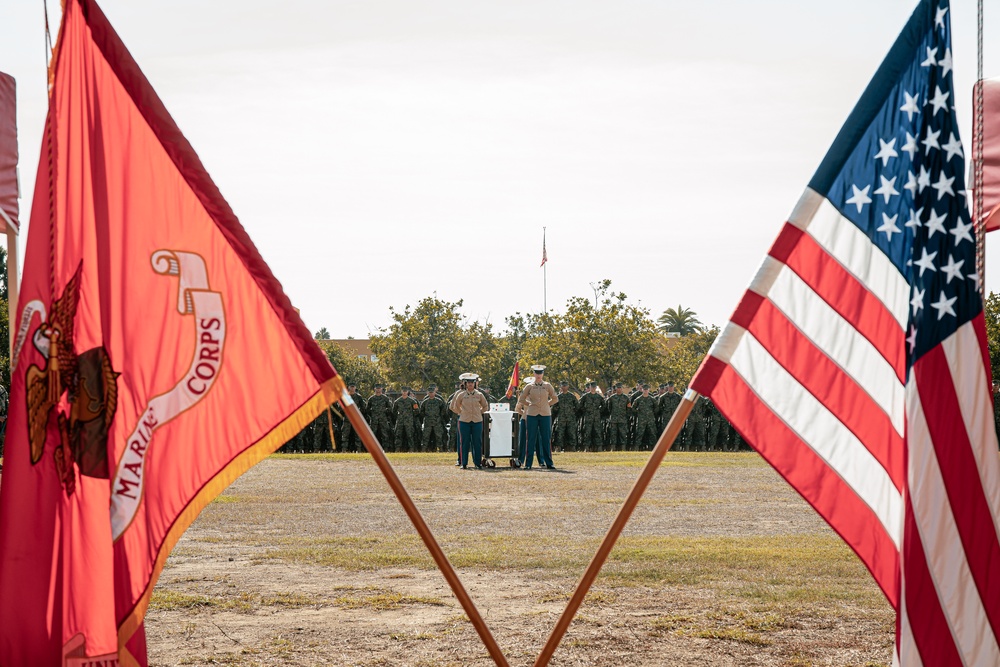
x: 501, y: 431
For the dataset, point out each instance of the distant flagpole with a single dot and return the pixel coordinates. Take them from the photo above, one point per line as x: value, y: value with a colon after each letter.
x: 545, y: 284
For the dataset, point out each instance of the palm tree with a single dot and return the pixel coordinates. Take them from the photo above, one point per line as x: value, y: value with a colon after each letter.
x: 679, y: 320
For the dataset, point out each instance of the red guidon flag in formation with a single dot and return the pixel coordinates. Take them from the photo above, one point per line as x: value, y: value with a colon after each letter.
x: 857, y: 365
x: 156, y: 359
x: 515, y: 379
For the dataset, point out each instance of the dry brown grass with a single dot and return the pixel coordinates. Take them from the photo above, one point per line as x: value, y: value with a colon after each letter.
x: 308, y: 560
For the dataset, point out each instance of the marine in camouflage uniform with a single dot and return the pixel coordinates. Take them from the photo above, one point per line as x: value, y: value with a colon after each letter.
x: 666, y: 405
x: 566, y: 413
x: 350, y: 441
x: 618, y: 407
x: 644, y: 409
x: 731, y: 435
x: 321, y: 433
x: 433, y: 413
x: 589, y: 408
x: 405, y: 412
x: 696, y: 428
x: 714, y: 426
x: 380, y: 417
x: 635, y: 393
x: 305, y: 441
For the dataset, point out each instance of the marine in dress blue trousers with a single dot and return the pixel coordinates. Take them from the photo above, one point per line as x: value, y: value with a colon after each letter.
x: 535, y: 406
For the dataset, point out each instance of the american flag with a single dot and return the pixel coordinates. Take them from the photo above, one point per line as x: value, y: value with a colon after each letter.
x: 856, y: 362
x: 545, y: 257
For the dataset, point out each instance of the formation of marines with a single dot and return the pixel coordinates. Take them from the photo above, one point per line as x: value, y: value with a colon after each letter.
x: 621, y: 421
x: 633, y: 421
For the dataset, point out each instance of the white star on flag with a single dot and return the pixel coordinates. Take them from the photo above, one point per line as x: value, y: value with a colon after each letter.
x: 924, y: 179
x: 943, y: 186
x: 888, y: 188
x: 886, y: 151
x: 964, y: 198
x: 961, y: 232
x: 939, y: 17
x: 974, y: 277
x: 914, y: 220
x: 860, y: 197
x: 911, y: 340
x: 954, y: 147
x: 945, y: 63
x: 926, y: 261
x: 910, y: 146
x: 931, y: 141
x: 911, y: 107
x: 935, y: 223
x: 953, y: 269
x: 931, y: 57
x: 939, y: 100
x: 911, y: 184
x: 918, y: 299
x: 889, y: 226
x: 944, y: 305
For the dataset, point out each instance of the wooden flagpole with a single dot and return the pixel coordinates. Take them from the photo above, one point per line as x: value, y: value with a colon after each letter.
x: 362, y: 428
x: 645, y: 477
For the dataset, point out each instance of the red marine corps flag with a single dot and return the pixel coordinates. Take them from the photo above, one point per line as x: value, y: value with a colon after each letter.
x: 155, y: 360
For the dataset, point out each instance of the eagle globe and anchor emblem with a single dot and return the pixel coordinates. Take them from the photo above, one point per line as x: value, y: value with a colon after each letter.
x: 87, y: 379
x: 90, y: 384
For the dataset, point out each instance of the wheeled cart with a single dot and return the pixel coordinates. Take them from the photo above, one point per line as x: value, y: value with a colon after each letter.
x: 500, y: 442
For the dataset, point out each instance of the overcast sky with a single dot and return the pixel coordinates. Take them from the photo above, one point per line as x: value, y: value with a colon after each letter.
x: 378, y: 152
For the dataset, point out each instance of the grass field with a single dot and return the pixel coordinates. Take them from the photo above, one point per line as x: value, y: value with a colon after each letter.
x: 309, y: 560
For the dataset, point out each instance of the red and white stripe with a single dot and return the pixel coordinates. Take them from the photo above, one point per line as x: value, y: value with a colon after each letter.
x: 812, y: 371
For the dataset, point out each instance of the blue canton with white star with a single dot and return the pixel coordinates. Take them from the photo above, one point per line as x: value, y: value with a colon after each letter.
x: 897, y: 171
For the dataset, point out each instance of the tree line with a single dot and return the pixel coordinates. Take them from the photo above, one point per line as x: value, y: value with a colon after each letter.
x: 607, y: 340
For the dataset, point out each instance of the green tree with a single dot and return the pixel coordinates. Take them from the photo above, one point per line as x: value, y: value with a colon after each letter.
x: 992, y: 314
x: 352, y: 368
x: 499, y: 357
x: 681, y: 357
x: 432, y: 344
x: 614, y: 341
x: 322, y: 334
x: 679, y: 320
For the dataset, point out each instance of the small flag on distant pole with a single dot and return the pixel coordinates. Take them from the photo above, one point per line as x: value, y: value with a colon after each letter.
x: 857, y: 365
x: 545, y: 257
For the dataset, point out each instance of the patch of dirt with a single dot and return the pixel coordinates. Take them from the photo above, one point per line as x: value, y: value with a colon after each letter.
x: 259, y: 609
